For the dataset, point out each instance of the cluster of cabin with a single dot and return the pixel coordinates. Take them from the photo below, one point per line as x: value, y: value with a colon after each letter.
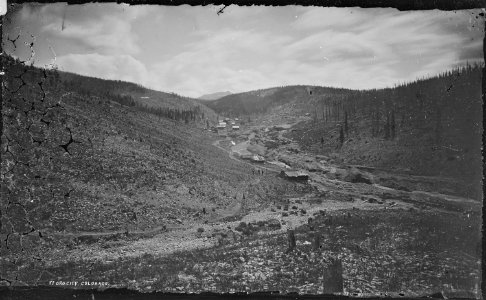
x: 226, y: 124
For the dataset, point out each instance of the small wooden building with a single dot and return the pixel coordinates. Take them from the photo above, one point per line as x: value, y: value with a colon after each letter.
x: 295, y: 175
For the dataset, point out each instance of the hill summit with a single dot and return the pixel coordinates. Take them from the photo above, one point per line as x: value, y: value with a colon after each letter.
x: 214, y: 96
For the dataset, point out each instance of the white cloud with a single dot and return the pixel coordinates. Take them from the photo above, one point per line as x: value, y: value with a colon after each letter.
x: 101, y: 28
x: 227, y: 59
x: 359, y: 55
x: 194, y: 51
x: 110, y: 34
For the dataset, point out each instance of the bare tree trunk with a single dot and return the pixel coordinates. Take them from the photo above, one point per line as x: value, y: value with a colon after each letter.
x: 291, y: 239
x: 317, y: 241
x: 333, y: 277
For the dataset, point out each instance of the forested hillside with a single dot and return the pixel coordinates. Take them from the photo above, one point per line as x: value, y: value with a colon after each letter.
x: 428, y: 127
x: 167, y: 105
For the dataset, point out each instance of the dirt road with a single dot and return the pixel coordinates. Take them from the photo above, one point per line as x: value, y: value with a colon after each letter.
x: 187, y: 239
x: 155, y: 230
x: 216, y: 144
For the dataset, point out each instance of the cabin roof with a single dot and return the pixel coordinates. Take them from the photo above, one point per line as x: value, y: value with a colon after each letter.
x: 295, y: 174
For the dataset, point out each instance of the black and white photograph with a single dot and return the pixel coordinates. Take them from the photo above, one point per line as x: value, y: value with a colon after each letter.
x: 230, y: 149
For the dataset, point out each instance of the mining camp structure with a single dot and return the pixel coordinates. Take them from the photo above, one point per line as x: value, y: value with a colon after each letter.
x: 253, y: 157
x: 221, y: 125
x: 295, y: 175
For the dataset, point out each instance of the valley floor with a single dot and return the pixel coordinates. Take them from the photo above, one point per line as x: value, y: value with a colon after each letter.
x: 390, y: 239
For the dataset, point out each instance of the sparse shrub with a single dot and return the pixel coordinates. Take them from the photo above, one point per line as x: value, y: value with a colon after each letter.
x: 241, y: 227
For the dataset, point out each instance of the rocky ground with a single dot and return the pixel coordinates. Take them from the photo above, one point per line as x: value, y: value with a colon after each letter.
x: 394, y: 236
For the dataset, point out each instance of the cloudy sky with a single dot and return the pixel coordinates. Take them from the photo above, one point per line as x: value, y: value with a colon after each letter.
x: 194, y: 51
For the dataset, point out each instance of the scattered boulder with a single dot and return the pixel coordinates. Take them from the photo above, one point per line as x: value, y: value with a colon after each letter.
x: 286, y: 160
x: 356, y: 176
x: 336, y: 173
x: 182, y: 190
x: 312, y: 167
x: 239, y: 196
x: 371, y: 199
x: 322, y: 157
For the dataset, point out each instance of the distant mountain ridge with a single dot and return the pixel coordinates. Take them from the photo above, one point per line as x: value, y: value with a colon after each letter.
x: 261, y: 101
x: 214, y: 96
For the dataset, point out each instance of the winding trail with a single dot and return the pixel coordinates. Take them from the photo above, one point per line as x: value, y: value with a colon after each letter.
x: 216, y: 144
x: 158, y: 229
